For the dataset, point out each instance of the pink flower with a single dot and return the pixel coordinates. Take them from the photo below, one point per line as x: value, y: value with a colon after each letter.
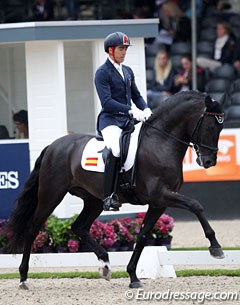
x: 141, y: 215
x: 103, y: 233
x: 39, y: 241
x: 163, y: 226
x: 122, y: 232
x: 73, y: 245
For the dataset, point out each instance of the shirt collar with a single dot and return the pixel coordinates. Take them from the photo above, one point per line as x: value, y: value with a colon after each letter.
x: 115, y: 64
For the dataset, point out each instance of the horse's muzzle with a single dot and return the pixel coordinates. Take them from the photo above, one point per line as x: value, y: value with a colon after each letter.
x: 207, y: 160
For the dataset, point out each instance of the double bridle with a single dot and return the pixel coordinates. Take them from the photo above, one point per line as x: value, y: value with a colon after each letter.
x: 195, y: 144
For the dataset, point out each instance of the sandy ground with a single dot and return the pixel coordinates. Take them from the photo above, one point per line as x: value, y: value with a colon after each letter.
x: 101, y: 292
x: 98, y: 292
x: 190, y: 233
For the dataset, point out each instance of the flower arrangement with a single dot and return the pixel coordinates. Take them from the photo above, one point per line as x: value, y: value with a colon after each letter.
x: 3, y: 233
x: 103, y: 233
x: 118, y: 233
x: 73, y: 245
x: 121, y: 228
x: 163, y: 227
x: 40, y: 241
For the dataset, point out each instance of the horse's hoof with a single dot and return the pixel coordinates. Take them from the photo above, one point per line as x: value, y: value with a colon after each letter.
x: 105, y: 272
x: 216, y: 252
x: 135, y: 285
x: 23, y: 286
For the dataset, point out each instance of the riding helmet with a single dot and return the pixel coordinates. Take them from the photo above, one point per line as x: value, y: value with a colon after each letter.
x: 116, y: 39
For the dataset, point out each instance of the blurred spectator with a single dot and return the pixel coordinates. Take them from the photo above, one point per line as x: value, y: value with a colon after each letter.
x: 72, y: 9
x: 164, y: 74
x: 183, y: 81
x: 174, y: 25
x: 147, y: 7
x: 185, y: 6
x: 163, y: 83
x: 223, y: 49
x: 21, y: 123
x: 4, y: 134
x: 236, y: 58
x: 142, y: 12
x: 43, y: 10
x: 229, y: 6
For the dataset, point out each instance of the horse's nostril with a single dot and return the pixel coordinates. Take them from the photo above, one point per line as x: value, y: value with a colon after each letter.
x: 209, y: 163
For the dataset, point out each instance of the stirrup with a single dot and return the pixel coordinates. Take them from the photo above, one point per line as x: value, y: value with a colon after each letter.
x: 111, y: 203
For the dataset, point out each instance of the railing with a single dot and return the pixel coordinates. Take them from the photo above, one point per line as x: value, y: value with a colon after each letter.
x: 160, y: 265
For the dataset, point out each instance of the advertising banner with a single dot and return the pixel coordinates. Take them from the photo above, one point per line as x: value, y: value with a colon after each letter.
x: 14, y: 170
x: 228, y: 160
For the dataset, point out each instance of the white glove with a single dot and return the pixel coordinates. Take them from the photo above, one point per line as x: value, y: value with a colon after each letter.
x: 147, y: 113
x: 137, y: 114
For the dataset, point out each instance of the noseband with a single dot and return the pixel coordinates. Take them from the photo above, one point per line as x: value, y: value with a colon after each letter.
x: 195, y: 144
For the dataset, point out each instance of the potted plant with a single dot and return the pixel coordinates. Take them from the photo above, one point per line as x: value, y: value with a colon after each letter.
x: 124, y: 237
x: 162, y: 229
x: 73, y: 245
x: 160, y: 235
x: 40, y: 241
x: 3, y: 235
x: 59, y: 232
x: 103, y: 233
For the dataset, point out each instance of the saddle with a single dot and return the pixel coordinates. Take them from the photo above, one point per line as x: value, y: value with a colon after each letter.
x: 94, y: 156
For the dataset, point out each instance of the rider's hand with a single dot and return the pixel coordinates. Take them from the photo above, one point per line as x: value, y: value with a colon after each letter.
x: 137, y: 114
x: 147, y: 113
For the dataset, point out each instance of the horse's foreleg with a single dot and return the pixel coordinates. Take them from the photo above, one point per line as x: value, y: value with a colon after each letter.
x: 150, y: 219
x: 177, y: 200
x: 81, y: 227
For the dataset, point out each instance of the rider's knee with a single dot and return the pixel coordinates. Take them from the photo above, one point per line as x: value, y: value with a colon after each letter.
x: 116, y: 151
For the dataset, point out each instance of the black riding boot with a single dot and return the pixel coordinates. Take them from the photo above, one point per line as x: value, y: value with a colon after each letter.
x: 110, y: 175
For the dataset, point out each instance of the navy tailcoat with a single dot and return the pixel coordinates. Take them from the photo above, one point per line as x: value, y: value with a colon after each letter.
x: 115, y: 94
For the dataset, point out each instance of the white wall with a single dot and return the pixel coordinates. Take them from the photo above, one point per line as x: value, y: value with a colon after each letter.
x: 79, y: 86
x: 46, y: 94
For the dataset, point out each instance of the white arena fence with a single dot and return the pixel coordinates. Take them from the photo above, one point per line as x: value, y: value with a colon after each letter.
x: 154, y: 262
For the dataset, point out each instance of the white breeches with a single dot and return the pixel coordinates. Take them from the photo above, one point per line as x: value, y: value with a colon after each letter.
x: 111, y: 135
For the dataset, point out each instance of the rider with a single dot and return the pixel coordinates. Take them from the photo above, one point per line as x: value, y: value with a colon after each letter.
x: 116, y: 87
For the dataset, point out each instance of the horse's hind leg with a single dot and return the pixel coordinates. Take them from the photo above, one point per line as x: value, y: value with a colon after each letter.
x: 46, y: 205
x: 180, y: 201
x: 81, y: 227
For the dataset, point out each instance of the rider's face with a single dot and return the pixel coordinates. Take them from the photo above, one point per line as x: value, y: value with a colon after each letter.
x: 119, y: 53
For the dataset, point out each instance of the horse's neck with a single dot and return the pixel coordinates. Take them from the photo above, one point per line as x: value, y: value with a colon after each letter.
x: 172, y: 134
x: 180, y: 119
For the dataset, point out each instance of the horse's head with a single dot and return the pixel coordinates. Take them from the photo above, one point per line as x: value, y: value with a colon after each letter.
x: 206, y: 133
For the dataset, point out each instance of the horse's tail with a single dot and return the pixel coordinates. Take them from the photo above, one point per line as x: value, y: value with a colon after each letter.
x: 27, y: 201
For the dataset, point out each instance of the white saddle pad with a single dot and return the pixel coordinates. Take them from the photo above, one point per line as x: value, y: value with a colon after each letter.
x: 92, y: 155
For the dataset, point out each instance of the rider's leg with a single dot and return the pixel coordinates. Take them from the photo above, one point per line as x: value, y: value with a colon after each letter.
x: 111, y: 136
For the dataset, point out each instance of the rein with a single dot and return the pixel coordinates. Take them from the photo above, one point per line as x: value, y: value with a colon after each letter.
x: 196, y: 146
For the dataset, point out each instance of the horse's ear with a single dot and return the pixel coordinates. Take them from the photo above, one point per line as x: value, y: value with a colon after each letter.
x: 208, y: 101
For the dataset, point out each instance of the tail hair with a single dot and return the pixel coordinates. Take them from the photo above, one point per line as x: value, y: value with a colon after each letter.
x: 21, y: 218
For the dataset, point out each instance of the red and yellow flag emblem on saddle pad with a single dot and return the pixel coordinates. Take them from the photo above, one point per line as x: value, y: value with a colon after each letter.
x: 91, y: 161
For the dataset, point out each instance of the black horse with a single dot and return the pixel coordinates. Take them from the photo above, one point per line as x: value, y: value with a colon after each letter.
x: 186, y: 117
